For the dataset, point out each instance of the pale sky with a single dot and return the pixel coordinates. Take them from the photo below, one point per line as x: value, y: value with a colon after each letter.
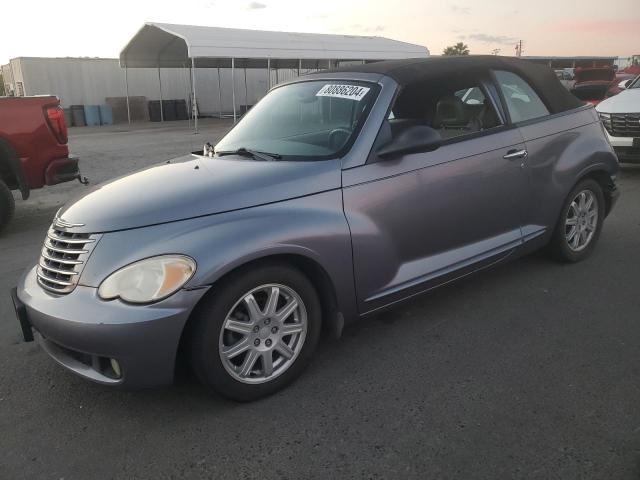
x: 547, y: 27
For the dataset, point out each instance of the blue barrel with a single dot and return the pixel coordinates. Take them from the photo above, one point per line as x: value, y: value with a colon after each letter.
x: 106, y: 115
x: 92, y: 115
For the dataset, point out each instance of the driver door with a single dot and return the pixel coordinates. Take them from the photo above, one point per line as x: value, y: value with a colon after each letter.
x: 423, y: 219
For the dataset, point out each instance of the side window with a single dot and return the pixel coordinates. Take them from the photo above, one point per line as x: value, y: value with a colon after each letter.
x: 463, y: 112
x: 522, y: 101
x: 457, y: 111
x: 471, y: 96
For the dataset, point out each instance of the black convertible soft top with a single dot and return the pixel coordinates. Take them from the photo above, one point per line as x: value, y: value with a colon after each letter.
x: 413, y: 70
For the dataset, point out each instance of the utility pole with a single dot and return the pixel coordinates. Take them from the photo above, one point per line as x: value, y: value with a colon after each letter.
x: 519, y: 49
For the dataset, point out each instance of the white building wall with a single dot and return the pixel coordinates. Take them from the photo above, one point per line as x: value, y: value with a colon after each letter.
x: 7, y: 79
x: 88, y: 81
x: 18, y: 80
x: 80, y: 81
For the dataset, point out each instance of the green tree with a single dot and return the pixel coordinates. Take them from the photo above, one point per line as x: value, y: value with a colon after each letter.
x: 457, y: 49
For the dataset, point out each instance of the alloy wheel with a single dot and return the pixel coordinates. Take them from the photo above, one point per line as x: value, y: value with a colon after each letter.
x: 582, y: 220
x: 263, y: 333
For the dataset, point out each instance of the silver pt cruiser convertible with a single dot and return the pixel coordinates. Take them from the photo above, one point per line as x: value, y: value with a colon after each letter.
x: 338, y: 195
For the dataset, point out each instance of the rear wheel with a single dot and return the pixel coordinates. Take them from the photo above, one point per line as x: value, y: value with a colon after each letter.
x: 7, y: 205
x: 256, y: 332
x: 580, y: 222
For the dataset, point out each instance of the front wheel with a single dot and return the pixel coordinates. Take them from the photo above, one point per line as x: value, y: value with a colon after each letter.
x: 256, y: 332
x: 580, y: 222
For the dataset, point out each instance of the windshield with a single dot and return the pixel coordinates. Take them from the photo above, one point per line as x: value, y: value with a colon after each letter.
x: 635, y: 83
x: 313, y: 120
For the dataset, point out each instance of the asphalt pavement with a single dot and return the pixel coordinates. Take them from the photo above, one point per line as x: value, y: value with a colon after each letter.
x: 530, y: 370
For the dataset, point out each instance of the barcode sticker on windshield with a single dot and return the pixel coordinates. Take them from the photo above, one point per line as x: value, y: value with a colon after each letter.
x: 352, y: 92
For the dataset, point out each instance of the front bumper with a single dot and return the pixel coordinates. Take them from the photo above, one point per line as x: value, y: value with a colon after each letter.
x: 82, y: 332
x: 628, y: 154
x: 627, y: 148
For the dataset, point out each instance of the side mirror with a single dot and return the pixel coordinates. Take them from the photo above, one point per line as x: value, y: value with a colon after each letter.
x: 624, y: 84
x: 418, y: 138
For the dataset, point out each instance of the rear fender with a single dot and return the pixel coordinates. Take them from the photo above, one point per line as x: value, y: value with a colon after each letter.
x: 563, y: 150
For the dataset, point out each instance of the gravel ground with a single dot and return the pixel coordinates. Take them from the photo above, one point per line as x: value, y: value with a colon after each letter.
x: 527, y: 371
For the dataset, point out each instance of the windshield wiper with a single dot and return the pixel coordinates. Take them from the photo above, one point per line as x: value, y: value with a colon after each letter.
x: 268, y: 157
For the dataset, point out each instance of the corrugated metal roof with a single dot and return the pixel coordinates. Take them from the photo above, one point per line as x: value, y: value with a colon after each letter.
x: 168, y: 45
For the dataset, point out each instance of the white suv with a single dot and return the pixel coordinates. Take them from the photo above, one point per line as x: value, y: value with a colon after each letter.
x: 621, y: 118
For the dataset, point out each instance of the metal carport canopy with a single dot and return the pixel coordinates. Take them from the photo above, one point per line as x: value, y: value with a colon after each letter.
x: 167, y: 45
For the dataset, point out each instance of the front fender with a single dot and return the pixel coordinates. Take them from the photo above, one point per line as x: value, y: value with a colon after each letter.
x: 313, y: 227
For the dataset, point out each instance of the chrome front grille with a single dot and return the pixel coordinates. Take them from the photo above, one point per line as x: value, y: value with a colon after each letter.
x: 62, y: 259
x: 622, y: 124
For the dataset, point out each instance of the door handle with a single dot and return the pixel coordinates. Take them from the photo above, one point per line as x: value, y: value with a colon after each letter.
x: 513, y: 154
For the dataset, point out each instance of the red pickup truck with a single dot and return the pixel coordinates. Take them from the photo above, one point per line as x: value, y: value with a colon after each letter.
x: 594, y: 84
x: 33, y: 148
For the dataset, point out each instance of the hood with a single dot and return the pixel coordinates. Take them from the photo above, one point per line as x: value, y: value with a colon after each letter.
x: 627, y: 101
x: 194, y: 186
x: 600, y: 74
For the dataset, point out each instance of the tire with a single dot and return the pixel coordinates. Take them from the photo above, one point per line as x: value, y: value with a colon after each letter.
x: 567, y: 248
x: 7, y: 205
x: 261, y: 336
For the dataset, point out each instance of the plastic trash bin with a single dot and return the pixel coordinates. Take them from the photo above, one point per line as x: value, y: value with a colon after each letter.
x: 154, y: 110
x: 181, y: 110
x: 92, y: 115
x: 169, y: 110
x: 77, y: 115
x: 68, y: 119
x: 106, y: 115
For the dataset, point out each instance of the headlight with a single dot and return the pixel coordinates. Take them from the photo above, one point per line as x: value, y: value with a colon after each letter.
x: 605, y: 116
x: 148, y: 280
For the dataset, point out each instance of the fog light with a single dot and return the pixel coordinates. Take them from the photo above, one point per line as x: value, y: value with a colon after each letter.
x: 115, y: 366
